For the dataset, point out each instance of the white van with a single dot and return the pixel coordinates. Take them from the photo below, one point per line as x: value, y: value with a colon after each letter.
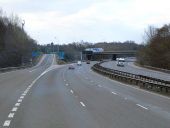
x: 121, y: 62
x: 79, y: 63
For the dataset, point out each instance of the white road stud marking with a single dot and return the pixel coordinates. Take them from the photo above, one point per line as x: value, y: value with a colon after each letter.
x: 82, y: 104
x: 66, y: 84
x: 17, y: 104
x: 14, y: 109
x: 114, y: 93
x: 71, y: 91
x: 11, y: 115
x: 142, y: 106
x: 7, y: 123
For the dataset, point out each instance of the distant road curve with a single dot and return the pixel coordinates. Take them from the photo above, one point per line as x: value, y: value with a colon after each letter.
x: 131, y: 68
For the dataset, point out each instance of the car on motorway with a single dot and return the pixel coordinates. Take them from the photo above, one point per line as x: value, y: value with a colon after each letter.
x: 79, y: 63
x: 71, y: 66
x: 121, y: 62
x: 88, y: 62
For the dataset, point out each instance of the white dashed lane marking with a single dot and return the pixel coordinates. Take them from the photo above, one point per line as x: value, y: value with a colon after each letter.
x: 114, y: 93
x: 99, y: 86
x: 71, y: 91
x: 82, y: 104
x: 125, y: 98
x: 142, y: 106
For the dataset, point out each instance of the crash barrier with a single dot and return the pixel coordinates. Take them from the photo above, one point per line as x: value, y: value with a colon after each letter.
x: 13, y: 68
x: 144, y: 82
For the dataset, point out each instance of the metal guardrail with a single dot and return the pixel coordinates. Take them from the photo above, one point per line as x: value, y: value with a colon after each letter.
x: 144, y: 82
x: 13, y: 68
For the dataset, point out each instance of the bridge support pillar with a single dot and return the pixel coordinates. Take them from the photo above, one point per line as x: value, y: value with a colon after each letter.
x: 114, y: 57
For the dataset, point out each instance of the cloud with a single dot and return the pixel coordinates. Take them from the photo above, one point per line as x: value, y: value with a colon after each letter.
x: 91, y: 20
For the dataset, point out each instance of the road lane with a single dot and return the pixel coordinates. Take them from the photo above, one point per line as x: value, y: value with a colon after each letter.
x: 50, y: 104
x: 14, y: 83
x: 98, y: 98
x: 131, y: 68
x: 80, y: 98
x: 132, y: 92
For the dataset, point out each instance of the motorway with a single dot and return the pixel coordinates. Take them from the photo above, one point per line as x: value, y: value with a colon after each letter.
x: 52, y: 96
x: 131, y: 68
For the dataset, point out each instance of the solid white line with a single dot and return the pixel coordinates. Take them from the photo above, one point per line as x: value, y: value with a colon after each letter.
x: 32, y: 70
x: 142, y: 106
x: 7, y: 123
x: 14, y: 109
x: 114, y: 93
x: 17, y: 104
x: 71, y: 91
x: 11, y: 115
x: 82, y: 104
x: 53, y: 60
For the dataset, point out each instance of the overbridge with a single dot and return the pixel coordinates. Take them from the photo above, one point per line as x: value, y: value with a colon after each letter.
x: 90, y: 55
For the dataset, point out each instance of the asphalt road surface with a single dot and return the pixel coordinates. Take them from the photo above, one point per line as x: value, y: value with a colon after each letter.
x: 131, y: 68
x: 52, y: 96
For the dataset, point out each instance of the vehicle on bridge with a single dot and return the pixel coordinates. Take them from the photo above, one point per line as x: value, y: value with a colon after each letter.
x: 88, y: 62
x: 79, y: 63
x: 121, y: 62
x: 71, y: 66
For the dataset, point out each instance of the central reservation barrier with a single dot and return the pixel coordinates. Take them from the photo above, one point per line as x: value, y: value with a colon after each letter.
x: 144, y: 82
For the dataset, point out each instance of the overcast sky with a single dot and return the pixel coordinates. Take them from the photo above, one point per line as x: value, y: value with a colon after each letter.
x: 65, y: 21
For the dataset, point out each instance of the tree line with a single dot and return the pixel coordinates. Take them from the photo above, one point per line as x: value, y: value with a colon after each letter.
x: 156, y: 50
x: 16, y: 45
x: 73, y: 50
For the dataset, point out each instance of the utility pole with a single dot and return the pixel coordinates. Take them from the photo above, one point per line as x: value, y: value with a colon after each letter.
x: 52, y: 47
x: 23, y: 23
